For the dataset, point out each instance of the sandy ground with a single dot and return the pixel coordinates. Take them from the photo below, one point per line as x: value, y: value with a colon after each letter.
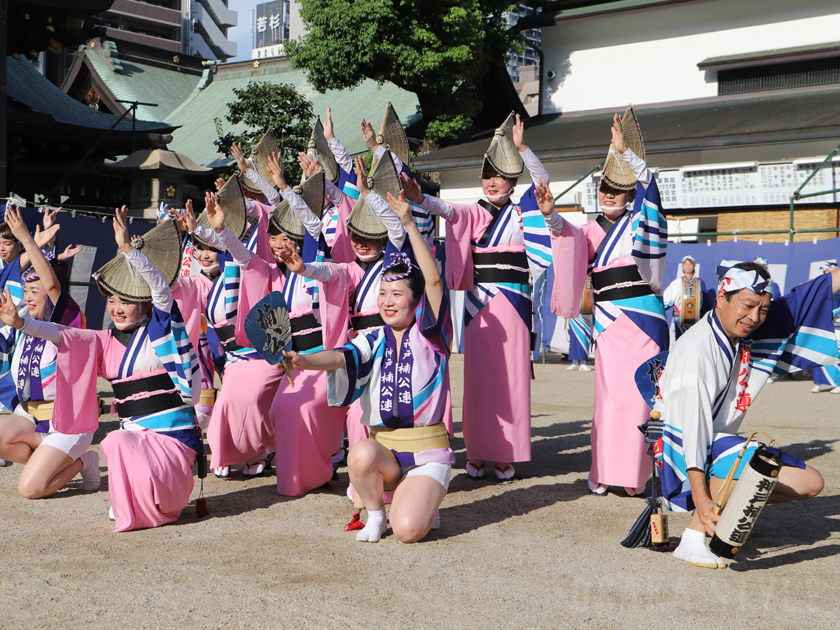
x: 535, y: 552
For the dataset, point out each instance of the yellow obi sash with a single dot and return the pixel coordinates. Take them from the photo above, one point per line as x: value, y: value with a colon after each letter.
x: 39, y: 409
x: 207, y: 398
x: 412, y: 439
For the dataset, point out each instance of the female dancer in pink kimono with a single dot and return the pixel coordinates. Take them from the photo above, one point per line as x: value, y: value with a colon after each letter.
x: 397, y: 371
x: 239, y: 429
x: 495, y: 250
x: 625, y: 251
x: 27, y: 436
x: 307, y: 430
x: 151, y: 364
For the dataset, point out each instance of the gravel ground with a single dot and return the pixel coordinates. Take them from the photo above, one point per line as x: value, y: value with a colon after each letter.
x: 534, y: 552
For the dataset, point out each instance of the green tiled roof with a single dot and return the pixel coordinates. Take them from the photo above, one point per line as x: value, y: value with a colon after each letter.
x: 29, y: 87
x: 142, y: 82
x: 197, y: 133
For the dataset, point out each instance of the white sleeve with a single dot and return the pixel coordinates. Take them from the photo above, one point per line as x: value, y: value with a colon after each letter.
x: 209, y: 236
x: 380, y: 207
x: 161, y: 293
x: 42, y: 330
x: 236, y: 248
x: 638, y: 166
x: 317, y: 271
x: 380, y: 151
x: 554, y: 222
x: 671, y: 294
x: 252, y: 208
x: 303, y: 212
x: 534, y: 166
x: 438, y: 206
x: 332, y: 191
x: 341, y: 155
x: 272, y: 198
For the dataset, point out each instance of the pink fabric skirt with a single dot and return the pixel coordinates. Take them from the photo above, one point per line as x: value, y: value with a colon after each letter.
x: 497, y: 385
x: 241, y: 427
x: 619, y: 453
x: 307, y: 433
x: 149, y: 478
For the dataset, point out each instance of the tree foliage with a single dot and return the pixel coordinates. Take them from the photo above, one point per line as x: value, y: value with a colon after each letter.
x: 263, y: 106
x: 429, y: 47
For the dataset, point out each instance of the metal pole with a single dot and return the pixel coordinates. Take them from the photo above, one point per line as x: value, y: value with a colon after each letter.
x: 133, y: 110
x: 579, y: 181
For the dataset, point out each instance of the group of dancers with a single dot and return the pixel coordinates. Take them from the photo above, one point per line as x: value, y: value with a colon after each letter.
x: 352, y: 252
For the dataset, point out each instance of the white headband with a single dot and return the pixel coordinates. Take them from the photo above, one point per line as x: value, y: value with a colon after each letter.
x: 735, y: 279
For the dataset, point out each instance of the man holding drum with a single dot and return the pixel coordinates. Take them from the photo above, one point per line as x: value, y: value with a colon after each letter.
x: 715, y: 371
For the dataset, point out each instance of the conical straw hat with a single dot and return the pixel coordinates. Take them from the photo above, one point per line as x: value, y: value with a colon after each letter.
x: 392, y: 135
x: 233, y: 205
x: 364, y: 222
x: 248, y: 185
x: 383, y: 178
x: 617, y: 173
x: 319, y: 149
x: 261, y: 152
x: 161, y: 245
x: 312, y: 192
x: 503, y: 156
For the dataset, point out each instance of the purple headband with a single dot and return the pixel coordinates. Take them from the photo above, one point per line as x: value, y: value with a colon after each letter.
x: 398, y: 259
x: 30, y: 275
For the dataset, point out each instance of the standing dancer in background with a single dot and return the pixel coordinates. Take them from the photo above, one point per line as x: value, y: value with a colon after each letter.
x: 624, y: 249
x: 150, y: 362
x: 397, y: 371
x: 27, y: 436
x: 496, y: 249
x: 829, y: 374
x: 673, y: 296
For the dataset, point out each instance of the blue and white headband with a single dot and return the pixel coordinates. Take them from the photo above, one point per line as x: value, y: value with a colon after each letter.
x: 398, y: 259
x: 827, y: 265
x: 734, y: 279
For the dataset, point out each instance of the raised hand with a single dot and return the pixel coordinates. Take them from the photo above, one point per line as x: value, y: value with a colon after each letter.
x: 8, y: 312
x: 121, y: 230
x: 329, y: 131
x: 215, y: 214
x: 401, y: 208
x: 49, y: 217
x: 236, y: 151
x: 275, y: 169
x: 189, y: 216
x: 369, y: 135
x: 42, y: 239
x: 179, y: 219
x: 618, y: 135
x: 69, y: 252
x: 361, y: 176
x: 519, y: 135
x: 544, y: 198
x: 288, y: 254
x: 219, y: 183
x: 412, y: 189
x: 309, y: 165
x: 15, y: 222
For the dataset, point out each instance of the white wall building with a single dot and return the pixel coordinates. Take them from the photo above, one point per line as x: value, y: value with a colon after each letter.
x: 731, y: 95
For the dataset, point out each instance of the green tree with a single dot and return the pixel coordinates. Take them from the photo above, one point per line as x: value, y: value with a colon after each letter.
x: 434, y: 48
x: 263, y: 106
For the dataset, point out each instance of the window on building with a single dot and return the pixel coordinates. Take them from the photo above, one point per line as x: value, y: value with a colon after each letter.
x: 779, y: 76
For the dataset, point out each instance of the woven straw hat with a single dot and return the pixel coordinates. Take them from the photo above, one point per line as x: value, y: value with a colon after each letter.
x: 247, y: 184
x: 319, y: 149
x: 161, y: 245
x: 233, y: 205
x: 260, y: 154
x: 383, y: 179
x: 392, y: 135
x: 503, y: 156
x: 617, y: 173
x: 312, y: 192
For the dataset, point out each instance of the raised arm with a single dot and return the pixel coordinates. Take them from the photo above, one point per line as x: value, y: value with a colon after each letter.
x: 42, y: 267
x: 422, y: 253
x: 396, y: 231
x: 309, y: 219
x: 42, y: 330
x: 545, y: 199
x: 226, y: 238
x: 161, y: 293
x: 532, y: 163
x: 345, y: 163
x: 253, y: 174
x: 637, y: 165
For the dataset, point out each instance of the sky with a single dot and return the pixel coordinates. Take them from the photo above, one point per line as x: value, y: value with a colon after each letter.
x: 241, y: 33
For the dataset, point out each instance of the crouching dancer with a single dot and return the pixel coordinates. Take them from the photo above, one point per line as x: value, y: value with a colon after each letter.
x: 153, y: 370
x: 399, y: 373
x: 713, y: 374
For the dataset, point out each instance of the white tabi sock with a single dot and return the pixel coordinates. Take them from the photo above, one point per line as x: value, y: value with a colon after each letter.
x: 90, y: 471
x: 376, y: 526
x: 693, y: 549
